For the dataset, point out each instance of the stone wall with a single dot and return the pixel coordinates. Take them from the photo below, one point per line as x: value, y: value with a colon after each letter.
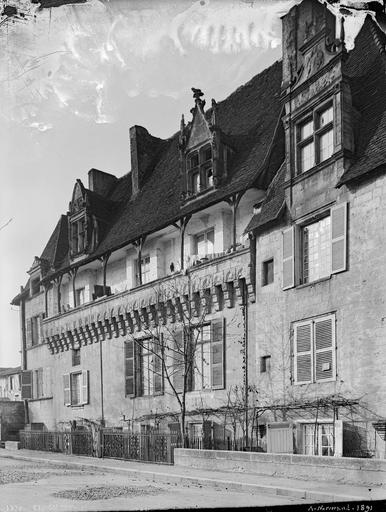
x: 356, y: 296
x: 334, y: 469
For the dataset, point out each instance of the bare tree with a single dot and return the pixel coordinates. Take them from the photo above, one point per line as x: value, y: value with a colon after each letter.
x: 165, y: 346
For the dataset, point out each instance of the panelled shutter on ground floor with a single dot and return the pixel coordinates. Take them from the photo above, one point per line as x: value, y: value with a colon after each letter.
x: 314, y: 350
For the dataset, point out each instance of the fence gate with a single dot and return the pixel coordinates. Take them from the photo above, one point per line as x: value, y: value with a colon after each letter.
x: 280, y: 438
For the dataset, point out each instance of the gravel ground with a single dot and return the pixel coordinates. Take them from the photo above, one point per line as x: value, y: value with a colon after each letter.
x: 11, y: 473
x: 107, y: 492
x: 43, y: 487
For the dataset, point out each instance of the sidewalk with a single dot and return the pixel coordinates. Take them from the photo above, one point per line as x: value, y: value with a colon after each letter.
x: 253, y: 483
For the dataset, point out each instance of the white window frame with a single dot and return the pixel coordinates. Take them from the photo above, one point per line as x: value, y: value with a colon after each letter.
x: 84, y: 388
x: 145, y: 269
x: 313, y: 351
x: 195, y: 242
x: 293, y: 247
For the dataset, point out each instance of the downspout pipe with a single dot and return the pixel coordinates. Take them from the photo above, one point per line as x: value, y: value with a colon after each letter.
x: 246, y: 404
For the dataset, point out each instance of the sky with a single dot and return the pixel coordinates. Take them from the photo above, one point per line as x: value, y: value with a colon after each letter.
x: 74, y: 78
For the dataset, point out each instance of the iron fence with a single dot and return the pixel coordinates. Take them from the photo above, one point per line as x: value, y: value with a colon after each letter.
x: 154, y: 447
x: 79, y: 443
x: 43, y: 441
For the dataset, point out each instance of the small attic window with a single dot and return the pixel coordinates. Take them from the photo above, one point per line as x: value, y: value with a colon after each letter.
x: 200, y: 170
x: 78, y: 235
x: 207, y: 154
x: 193, y: 161
x: 35, y: 286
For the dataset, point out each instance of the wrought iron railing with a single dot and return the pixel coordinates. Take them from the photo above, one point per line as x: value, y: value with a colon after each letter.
x: 43, y: 441
x: 79, y: 443
x: 154, y: 447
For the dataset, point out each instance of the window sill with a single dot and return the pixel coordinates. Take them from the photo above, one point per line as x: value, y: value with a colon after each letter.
x: 305, y: 285
x: 146, y: 396
x: 80, y: 406
x: 36, y: 346
x: 199, y: 194
x: 310, y: 172
x: 40, y: 399
x: 317, y: 382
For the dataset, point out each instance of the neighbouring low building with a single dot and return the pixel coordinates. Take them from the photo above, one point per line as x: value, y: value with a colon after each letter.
x: 10, y: 383
x: 260, y: 225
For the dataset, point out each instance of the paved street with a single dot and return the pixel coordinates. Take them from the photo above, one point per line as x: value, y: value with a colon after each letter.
x: 39, y: 486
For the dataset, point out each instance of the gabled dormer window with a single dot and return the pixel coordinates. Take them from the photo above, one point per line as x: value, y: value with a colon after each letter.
x: 78, y: 235
x: 200, y: 169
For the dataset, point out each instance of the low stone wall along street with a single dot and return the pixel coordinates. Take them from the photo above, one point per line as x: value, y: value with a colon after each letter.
x: 308, y: 467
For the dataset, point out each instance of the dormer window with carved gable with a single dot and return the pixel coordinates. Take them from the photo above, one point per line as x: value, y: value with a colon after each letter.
x: 78, y: 222
x: 204, y: 156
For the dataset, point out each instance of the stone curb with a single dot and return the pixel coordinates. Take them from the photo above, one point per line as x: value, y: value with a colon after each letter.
x: 196, y: 480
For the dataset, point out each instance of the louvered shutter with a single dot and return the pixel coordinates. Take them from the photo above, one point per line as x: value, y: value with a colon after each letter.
x: 157, y: 365
x: 339, y: 238
x: 47, y: 382
x: 26, y: 385
x: 129, y: 368
x: 303, y: 352
x: 84, y: 389
x: 217, y: 353
x: 29, y: 332
x: 289, y: 258
x: 324, y: 336
x: 67, y: 389
x: 178, y: 362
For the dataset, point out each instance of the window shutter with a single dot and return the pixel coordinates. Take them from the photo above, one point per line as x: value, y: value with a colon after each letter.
x: 289, y: 258
x: 35, y: 389
x: 40, y: 328
x: 339, y: 238
x: 217, y: 353
x: 84, y: 389
x: 178, y: 362
x: 29, y: 332
x: 303, y: 352
x: 129, y: 368
x: 47, y: 382
x: 324, y: 333
x: 157, y: 366
x: 26, y: 385
x: 138, y: 369
x: 67, y: 389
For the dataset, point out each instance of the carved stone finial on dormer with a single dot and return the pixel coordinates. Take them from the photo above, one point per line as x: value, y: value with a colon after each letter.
x: 213, y: 120
x: 197, y: 94
x: 342, y: 31
x: 182, y: 138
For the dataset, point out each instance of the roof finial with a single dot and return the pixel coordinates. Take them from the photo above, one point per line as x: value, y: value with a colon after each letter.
x: 214, y: 112
x: 197, y: 93
x: 342, y: 34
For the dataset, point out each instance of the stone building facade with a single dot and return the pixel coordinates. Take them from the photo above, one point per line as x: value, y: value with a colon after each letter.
x: 259, y: 223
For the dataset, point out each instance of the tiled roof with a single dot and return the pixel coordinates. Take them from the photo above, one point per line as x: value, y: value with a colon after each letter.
x: 273, y: 204
x: 57, y: 246
x: 249, y: 117
x: 9, y: 371
x: 366, y: 68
